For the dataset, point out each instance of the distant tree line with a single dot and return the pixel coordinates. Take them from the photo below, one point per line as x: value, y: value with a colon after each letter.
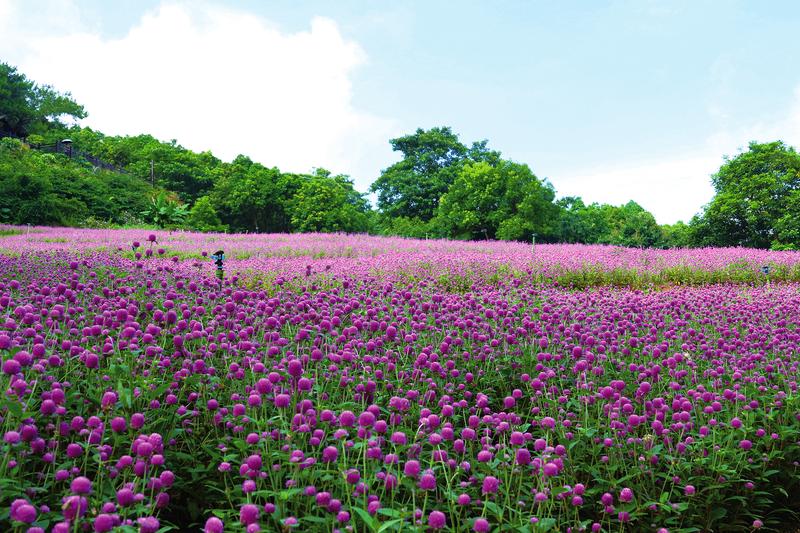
x: 441, y: 187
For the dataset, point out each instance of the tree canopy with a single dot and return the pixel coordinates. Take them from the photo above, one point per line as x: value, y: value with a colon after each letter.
x: 757, y: 201
x: 501, y: 201
x: 27, y: 108
x: 413, y: 186
x: 441, y: 187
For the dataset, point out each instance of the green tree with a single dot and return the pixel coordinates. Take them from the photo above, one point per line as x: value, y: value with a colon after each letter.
x: 329, y: 203
x: 504, y: 201
x: 626, y: 225
x: 676, y: 235
x: 27, y: 108
x: 187, y: 173
x: 431, y: 160
x: 251, y: 197
x: 755, y: 204
x: 41, y: 188
x: 204, y: 217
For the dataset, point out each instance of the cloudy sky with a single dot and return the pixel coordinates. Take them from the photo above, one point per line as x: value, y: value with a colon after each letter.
x: 611, y: 101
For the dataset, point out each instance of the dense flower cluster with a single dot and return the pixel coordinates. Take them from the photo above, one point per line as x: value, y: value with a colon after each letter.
x: 347, y: 393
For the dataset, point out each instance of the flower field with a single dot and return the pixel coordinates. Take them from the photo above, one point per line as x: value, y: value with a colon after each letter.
x: 359, y: 383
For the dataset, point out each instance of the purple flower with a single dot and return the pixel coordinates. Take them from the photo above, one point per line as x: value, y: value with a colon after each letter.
x: 490, y: 485
x: 437, y: 520
x: 81, y: 485
x: 330, y: 454
x: 481, y: 525
x: 23, y: 512
x: 427, y: 482
x: 248, y: 514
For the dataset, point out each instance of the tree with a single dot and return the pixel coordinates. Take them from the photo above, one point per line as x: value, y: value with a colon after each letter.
x: 187, y: 173
x: 633, y: 225
x: 504, y: 201
x: 431, y: 160
x: 625, y: 225
x: 251, y: 197
x: 41, y: 188
x: 204, y: 217
x: 755, y: 204
x: 27, y: 108
x: 328, y: 203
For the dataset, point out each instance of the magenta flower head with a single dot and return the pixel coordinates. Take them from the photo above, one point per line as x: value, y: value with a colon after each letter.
x: 214, y: 525
x: 22, y: 511
x: 366, y: 419
x: 347, y: 419
x: 74, y: 507
x: 625, y: 495
x: 151, y: 238
x: 411, y: 468
x: 254, y: 462
x: 103, y: 522
x: 427, y: 482
x: 118, y: 424
x: 295, y: 368
x: 81, y: 485
x: 249, y: 514
x: 399, y: 438
x: 689, y: 490
x: 490, y: 485
x: 148, y: 524
x: 481, y: 525
x: 330, y: 454
x: 437, y: 520
x: 745, y: 444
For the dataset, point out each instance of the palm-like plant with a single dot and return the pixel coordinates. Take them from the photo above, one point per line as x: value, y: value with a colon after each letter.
x: 165, y: 212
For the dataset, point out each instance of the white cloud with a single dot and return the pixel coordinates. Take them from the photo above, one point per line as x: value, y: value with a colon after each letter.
x: 672, y: 188
x: 676, y: 186
x: 214, y: 79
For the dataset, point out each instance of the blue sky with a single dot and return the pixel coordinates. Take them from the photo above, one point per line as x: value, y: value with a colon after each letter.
x: 608, y: 100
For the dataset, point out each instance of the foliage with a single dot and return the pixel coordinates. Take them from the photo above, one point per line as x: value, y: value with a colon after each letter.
x: 431, y: 160
x: 502, y: 201
x: 252, y: 197
x: 407, y: 227
x: 204, y: 217
x: 329, y: 203
x: 756, y: 202
x: 165, y: 212
x: 175, y: 168
x: 38, y: 188
x: 27, y: 108
x: 626, y: 225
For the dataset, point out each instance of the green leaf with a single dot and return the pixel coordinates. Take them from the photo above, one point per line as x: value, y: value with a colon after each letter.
x: 545, y: 524
x: 285, y: 495
x: 390, y: 524
x: 718, y: 513
x: 13, y: 407
x: 366, y: 518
